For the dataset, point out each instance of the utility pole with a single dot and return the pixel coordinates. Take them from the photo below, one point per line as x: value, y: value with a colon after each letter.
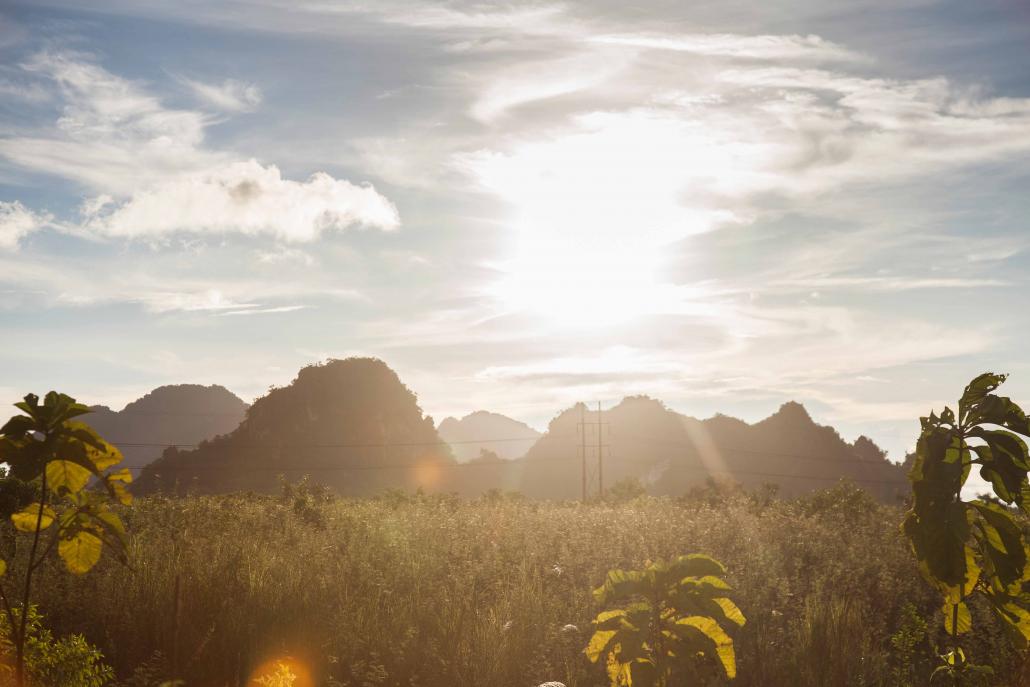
x: 600, y: 450
x: 601, y: 446
x: 583, y: 446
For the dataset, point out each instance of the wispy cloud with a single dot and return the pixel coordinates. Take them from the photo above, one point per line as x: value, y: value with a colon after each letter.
x: 17, y: 222
x: 267, y: 311
x: 760, y: 47
x: 230, y: 95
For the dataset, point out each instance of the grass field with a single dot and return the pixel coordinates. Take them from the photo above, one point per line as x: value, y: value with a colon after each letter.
x: 426, y: 590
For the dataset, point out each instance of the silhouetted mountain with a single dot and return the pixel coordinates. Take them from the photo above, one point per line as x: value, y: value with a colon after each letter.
x: 178, y: 414
x: 464, y: 435
x: 670, y: 453
x: 350, y: 424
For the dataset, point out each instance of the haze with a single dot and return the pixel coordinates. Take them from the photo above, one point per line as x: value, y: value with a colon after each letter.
x: 520, y: 206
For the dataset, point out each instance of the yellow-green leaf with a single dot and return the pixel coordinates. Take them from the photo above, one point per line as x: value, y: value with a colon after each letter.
x: 66, y: 474
x: 954, y: 593
x: 81, y: 552
x: 123, y: 475
x: 26, y: 519
x: 730, y: 610
x: 598, y: 643
x: 120, y: 492
x: 3, y: 567
x: 965, y: 620
x: 722, y: 641
x: 106, y: 457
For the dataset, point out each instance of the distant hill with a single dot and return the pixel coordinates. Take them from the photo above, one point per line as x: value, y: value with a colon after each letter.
x: 671, y: 453
x: 178, y: 414
x: 463, y: 435
x: 353, y: 425
x: 350, y: 424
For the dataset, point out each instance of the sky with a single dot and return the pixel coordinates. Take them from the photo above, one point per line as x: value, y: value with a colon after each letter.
x: 725, y: 205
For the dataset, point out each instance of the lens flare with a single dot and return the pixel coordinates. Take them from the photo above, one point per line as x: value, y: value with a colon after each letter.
x: 282, y: 671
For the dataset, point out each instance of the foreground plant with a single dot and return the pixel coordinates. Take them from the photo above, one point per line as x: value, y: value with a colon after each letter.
x: 976, y: 546
x: 670, y: 624
x: 60, y: 458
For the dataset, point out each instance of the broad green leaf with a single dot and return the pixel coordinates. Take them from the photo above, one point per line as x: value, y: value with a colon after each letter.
x: 1000, y: 410
x: 640, y: 672
x: 119, y: 492
x: 1003, y: 537
x: 695, y: 565
x: 730, y: 610
x: 959, y: 612
x: 66, y: 475
x: 598, y: 644
x: 104, y: 457
x: 27, y: 518
x: 113, y: 523
x: 706, y: 584
x: 977, y: 389
x: 722, y: 641
x: 81, y: 552
x: 956, y: 451
x: 609, y: 620
x: 621, y: 584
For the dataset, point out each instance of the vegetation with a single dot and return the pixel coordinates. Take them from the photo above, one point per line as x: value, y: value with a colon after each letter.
x: 672, y: 625
x: 65, y: 662
x: 306, y: 588
x: 974, y: 547
x: 57, y: 457
x: 433, y: 590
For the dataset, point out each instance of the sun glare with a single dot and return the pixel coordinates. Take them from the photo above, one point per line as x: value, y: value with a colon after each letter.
x: 595, y: 211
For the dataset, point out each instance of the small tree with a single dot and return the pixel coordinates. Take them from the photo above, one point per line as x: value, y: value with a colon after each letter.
x: 45, y: 447
x: 976, y: 546
x: 673, y: 617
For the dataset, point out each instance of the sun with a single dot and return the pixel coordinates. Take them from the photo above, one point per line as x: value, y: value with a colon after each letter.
x: 582, y: 286
x: 593, y: 212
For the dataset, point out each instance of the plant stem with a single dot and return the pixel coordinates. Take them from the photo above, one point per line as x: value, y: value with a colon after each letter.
x: 19, y: 666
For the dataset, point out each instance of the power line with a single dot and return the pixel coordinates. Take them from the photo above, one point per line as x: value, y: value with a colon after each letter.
x: 782, y: 454
x: 830, y: 460
x: 345, y: 468
x: 145, y: 444
x: 502, y: 464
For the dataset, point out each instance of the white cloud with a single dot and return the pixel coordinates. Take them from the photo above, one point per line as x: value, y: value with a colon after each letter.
x: 760, y: 47
x: 17, y: 222
x: 248, y: 198
x: 154, y: 177
x: 28, y: 92
x: 267, y: 311
x: 111, y: 134
x: 230, y: 95
x: 171, y: 301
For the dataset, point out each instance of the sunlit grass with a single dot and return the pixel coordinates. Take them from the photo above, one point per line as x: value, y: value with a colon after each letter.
x: 407, y: 590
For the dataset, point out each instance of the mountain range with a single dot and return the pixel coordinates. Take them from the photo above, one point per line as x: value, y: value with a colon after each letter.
x: 353, y: 425
x: 507, y: 438
x: 181, y: 414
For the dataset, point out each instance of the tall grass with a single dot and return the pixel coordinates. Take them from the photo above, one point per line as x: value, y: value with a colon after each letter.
x: 426, y: 590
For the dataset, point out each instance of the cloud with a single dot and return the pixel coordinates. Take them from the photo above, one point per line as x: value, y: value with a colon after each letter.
x: 210, y: 300
x: 758, y: 47
x: 154, y: 176
x: 230, y: 95
x: 111, y: 135
x: 17, y: 222
x: 247, y: 198
x: 267, y: 311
